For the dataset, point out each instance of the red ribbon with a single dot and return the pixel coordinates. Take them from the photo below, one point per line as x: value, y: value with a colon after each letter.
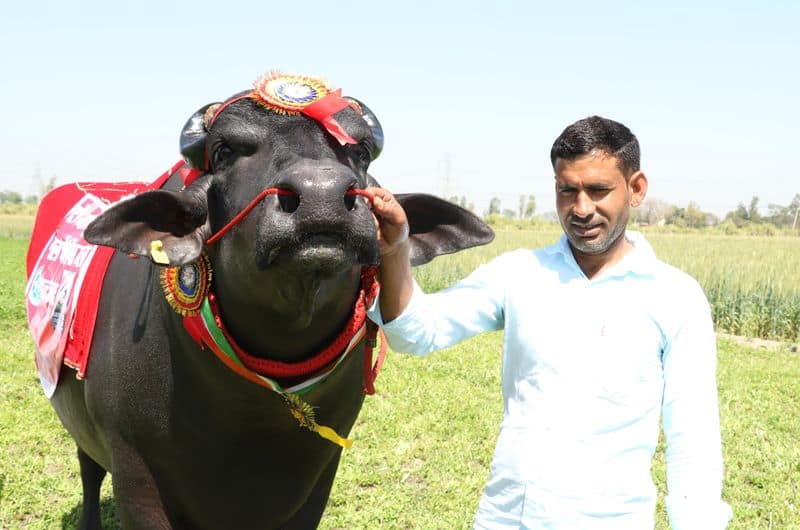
x: 323, y: 110
x: 189, y: 175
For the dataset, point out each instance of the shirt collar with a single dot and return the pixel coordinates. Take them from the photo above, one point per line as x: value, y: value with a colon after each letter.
x: 639, y: 261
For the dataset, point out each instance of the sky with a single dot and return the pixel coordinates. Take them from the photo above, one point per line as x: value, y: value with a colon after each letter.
x: 471, y: 95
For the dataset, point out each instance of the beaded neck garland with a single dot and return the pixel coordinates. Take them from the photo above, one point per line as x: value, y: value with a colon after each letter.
x: 187, y: 289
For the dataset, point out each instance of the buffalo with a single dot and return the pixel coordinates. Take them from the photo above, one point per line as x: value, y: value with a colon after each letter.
x: 275, y: 224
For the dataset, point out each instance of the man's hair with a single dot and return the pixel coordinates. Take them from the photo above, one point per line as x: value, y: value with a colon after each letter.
x: 596, y: 133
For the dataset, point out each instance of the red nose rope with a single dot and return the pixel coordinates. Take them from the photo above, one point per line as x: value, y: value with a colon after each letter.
x: 274, y: 191
x: 326, y: 360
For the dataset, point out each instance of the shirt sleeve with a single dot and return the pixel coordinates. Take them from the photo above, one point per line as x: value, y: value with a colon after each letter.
x: 690, y: 413
x: 439, y: 320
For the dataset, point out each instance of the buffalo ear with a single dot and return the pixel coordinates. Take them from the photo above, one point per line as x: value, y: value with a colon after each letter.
x: 193, y: 138
x: 168, y: 227
x: 437, y: 227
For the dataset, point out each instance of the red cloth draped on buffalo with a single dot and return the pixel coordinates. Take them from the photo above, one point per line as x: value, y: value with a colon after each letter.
x: 65, y: 273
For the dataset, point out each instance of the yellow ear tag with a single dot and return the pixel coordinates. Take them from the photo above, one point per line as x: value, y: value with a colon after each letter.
x: 157, y: 251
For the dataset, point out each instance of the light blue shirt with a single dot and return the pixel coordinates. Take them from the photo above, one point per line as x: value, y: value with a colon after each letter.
x: 588, y: 366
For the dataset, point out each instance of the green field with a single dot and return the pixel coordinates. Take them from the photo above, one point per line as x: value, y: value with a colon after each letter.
x: 752, y: 283
x: 423, y: 444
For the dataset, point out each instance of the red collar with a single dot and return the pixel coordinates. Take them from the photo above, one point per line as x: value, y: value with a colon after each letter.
x: 291, y: 374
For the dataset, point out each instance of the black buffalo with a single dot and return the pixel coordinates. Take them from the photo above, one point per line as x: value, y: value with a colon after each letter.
x: 190, y: 443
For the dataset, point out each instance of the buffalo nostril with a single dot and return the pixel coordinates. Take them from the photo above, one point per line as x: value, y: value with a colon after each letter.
x: 349, y: 201
x: 289, y: 203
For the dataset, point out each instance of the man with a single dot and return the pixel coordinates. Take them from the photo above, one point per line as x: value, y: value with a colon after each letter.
x: 600, y: 339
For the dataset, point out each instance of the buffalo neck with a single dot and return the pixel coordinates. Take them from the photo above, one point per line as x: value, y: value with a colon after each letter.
x: 286, y: 316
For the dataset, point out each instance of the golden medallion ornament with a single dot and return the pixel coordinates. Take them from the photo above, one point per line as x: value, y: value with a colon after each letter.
x: 306, y: 417
x: 289, y: 94
x: 185, y: 287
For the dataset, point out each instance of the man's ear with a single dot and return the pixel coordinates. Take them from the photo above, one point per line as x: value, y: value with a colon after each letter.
x: 169, y: 227
x: 637, y: 184
x: 439, y: 227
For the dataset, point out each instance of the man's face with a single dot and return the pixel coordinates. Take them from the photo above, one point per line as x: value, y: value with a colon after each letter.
x: 592, y: 199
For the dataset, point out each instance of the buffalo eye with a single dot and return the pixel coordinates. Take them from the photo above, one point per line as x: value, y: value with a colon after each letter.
x: 221, y: 156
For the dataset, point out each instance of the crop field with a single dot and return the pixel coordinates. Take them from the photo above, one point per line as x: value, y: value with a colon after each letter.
x: 15, y: 226
x: 424, y: 442
x: 752, y: 283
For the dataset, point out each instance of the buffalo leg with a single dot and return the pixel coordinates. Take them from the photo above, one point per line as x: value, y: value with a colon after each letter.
x: 137, y: 497
x: 311, y: 512
x: 92, y: 475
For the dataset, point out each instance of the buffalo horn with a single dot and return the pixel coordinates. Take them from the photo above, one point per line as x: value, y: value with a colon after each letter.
x: 193, y: 139
x: 374, y: 126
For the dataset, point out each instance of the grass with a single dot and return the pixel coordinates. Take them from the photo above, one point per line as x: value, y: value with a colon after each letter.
x: 761, y: 428
x: 424, y: 443
x: 16, y: 226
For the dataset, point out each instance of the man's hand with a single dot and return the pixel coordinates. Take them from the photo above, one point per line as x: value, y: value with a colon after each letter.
x: 397, y: 284
x: 391, y: 222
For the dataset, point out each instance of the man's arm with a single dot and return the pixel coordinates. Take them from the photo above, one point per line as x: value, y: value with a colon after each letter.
x: 419, y: 323
x: 397, y: 283
x: 690, y: 414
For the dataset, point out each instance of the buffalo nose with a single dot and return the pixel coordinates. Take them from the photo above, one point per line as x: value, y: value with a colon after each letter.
x: 289, y: 201
x: 318, y: 191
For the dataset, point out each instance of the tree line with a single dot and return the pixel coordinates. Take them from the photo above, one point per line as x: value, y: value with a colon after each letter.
x: 658, y: 212
x: 525, y: 210
x: 15, y: 197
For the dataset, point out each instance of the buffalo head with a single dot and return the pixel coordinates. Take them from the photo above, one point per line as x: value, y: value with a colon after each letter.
x: 245, y: 146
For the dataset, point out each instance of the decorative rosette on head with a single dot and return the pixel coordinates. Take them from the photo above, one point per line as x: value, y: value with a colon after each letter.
x: 289, y: 93
x: 311, y: 96
x: 294, y: 94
